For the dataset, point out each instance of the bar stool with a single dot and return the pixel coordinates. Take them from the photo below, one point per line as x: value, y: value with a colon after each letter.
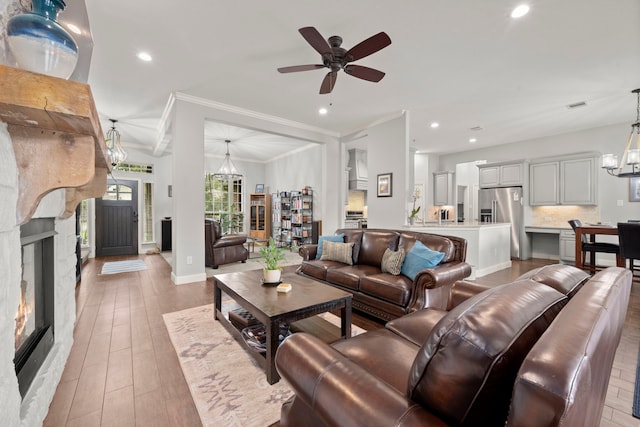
x: 592, y: 248
x: 629, y: 237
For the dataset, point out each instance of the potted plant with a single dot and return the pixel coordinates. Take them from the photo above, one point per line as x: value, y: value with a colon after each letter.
x: 272, y: 256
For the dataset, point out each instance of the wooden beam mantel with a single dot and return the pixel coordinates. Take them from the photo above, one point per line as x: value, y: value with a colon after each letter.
x: 56, y: 137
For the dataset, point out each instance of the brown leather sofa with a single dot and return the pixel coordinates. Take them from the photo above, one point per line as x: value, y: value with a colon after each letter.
x: 384, y: 295
x: 534, y: 352
x: 221, y: 249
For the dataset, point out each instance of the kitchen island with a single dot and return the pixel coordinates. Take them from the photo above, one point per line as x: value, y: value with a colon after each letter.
x: 488, y: 244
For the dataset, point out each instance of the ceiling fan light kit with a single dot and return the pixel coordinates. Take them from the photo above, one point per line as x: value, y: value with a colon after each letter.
x: 336, y: 58
x: 630, y: 156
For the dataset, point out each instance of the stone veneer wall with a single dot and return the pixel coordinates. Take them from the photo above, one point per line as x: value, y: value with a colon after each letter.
x: 33, y: 409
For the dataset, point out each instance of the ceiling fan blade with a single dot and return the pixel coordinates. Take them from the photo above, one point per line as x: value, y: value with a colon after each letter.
x: 329, y: 82
x: 315, y: 39
x: 297, y: 68
x: 368, y: 46
x: 364, y: 73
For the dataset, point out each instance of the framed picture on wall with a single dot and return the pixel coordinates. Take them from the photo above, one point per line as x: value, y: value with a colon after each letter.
x: 259, y: 188
x: 634, y: 189
x: 385, y: 184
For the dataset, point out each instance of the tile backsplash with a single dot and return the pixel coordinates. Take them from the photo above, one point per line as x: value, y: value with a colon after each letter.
x: 558, y: 216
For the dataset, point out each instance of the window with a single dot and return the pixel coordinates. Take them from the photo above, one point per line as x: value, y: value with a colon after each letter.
x: 118, y: 192
x: 223, y: 202
x: 147, y: 224
x: 84, y: 223
x: 133, y: 167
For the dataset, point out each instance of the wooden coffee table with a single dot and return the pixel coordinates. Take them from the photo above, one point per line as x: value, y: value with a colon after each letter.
x: 307, y: 298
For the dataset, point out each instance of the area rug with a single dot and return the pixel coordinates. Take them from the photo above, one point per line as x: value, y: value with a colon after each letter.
x: 123, y: 266
x: 228, y: 389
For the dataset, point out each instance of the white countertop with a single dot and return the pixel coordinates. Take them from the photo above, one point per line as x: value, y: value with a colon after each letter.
x: 454, y: 225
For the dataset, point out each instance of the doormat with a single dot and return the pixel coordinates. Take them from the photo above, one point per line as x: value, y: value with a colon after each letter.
x: 123, y: 266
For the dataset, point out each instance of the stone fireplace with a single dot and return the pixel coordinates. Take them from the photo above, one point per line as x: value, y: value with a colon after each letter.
x: 31, y: 409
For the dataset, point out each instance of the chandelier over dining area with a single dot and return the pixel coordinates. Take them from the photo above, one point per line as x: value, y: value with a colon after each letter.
x: 629, y: 165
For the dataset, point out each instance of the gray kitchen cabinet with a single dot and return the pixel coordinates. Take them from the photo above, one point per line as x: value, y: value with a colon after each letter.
x: 567, y: 249
x: 565, y: 181
x: 502, y: 175
x: 442, y: 188
x: 543, y: 180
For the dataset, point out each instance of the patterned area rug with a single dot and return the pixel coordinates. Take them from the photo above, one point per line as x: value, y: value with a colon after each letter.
x: 227, y: 387
x: 123, y: 266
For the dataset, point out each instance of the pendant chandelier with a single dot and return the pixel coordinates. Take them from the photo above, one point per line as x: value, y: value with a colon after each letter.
x: 227, y: 170
x: 114, y: 148
x: 630, y: 156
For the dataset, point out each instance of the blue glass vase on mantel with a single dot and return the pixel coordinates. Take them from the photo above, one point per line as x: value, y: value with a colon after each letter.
x: 38, y: 43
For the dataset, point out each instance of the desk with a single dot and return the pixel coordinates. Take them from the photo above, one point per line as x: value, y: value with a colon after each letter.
x: 592, y: 231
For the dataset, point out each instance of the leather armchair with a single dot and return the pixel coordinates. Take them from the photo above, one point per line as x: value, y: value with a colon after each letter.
x: 221, y: 249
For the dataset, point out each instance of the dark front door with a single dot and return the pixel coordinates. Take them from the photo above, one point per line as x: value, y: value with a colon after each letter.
x: 117, y: 219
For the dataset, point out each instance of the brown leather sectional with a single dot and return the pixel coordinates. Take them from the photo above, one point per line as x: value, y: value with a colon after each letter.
x: 381, y: 294
x: 534, y: 352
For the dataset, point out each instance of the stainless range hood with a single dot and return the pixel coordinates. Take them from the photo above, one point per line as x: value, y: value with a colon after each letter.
x: 358, y: 178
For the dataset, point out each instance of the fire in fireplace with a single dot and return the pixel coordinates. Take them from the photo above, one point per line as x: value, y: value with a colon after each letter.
x: 34, y: 316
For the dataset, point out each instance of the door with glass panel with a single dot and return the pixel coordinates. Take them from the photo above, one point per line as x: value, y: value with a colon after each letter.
x: 117, y: 219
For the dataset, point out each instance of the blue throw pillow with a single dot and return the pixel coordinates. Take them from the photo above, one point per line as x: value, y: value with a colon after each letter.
x: 419, y: 258
x: 338, y: 238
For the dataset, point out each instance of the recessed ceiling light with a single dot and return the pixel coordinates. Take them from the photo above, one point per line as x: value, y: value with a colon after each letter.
x: 74, y: 29
x: 520, y: 11
x: 144, y: 56
x: 472, y: 140
x: 323, y: 111
x: 435, y: 125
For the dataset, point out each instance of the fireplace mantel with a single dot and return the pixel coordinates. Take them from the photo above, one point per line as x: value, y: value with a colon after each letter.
x: 56, y: 136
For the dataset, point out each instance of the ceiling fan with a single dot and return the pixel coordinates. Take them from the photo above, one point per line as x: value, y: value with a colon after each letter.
x: 337, y: 58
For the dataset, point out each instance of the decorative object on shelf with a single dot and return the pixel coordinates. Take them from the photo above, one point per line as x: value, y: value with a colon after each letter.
x: 38, y: 43
x: 227, y: 170
x: 114, y: 147
x: 259, y: 188
x: 630, y: 156
x: 385, y: 183
x: 272, y: 256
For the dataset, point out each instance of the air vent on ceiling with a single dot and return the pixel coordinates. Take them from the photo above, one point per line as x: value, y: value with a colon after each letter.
x: 577, y: 104
x: 476, y: 128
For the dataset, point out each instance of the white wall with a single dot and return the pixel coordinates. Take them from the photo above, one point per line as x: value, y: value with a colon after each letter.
x: 388, y: 151
x: 607, y: 139
x: 297, y: 170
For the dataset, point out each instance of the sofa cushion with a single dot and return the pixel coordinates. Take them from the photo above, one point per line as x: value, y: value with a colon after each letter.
x: 374, y: 243
x: 335, y: 238
x: 350, y: 276
x: 318, y: 269
x: 563, y: 278
x: 434, y: 242
x: 466, y: 369
x: 340, y: 252
x: 387, y: 287
x: 419, y: 258
x: 392, y: 261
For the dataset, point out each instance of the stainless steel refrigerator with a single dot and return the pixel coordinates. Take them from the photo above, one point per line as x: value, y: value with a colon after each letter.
x: 504, y: 205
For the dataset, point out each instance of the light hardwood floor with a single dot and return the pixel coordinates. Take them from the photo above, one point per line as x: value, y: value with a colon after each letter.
x: 123, y: 370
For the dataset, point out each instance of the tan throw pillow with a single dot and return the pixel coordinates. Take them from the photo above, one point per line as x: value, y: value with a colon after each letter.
x: 334, y: 251
x: 392, y: 261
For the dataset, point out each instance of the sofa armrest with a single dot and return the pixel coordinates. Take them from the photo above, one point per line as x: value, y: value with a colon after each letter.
x: 308, y: 252
x: 463, y: 290
x: 432, y: 286
x: 335, y: 387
